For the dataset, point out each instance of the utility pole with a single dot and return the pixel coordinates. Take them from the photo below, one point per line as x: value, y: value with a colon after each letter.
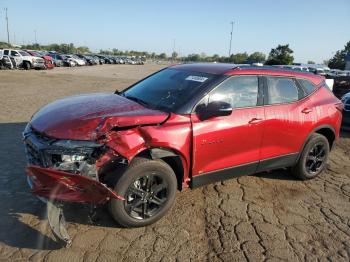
x: 229, y: 50
x: 35, y: 37
x: 172, y: 55
x: 7, y: 25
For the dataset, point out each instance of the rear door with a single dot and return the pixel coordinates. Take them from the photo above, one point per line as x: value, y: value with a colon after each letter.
x: 289, y: 118
x: 227, y: 146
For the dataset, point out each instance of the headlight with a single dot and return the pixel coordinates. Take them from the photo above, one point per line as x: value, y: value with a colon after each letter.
x: 72, y: 158
x: 76, y: 156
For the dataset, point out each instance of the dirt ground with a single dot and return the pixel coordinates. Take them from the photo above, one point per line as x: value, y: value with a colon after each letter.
x: 268, y: 216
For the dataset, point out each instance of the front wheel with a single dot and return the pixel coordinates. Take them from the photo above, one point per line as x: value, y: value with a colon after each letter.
x: 313, y: 159
x: 149, y: 188
x: 26, y: 65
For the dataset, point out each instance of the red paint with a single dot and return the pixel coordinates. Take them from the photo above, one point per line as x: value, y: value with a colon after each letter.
x: 84, y: 117
x: 247, y: 135
x: 226, y: 141
x: 59, y: 185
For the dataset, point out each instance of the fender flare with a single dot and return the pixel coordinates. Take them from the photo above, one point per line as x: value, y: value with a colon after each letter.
x: 311, y: 133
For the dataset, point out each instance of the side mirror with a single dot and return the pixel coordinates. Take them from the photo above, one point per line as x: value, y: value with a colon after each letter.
x: 213, y: 109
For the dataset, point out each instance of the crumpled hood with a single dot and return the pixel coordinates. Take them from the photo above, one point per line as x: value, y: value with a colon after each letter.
x: 86, y: 117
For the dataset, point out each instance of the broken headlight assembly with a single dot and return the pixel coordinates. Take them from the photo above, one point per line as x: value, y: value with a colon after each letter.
x: 77, y: 157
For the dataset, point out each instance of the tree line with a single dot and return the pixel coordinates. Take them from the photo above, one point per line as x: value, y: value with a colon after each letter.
x: 281, y: 55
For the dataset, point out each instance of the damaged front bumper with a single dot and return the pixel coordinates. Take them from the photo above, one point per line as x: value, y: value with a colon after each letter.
x: 61, y: 171
x: 63, y: 186
x: 57, y: 186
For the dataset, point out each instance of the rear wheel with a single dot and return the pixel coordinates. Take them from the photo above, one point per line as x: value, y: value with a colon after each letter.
x: 313, y: 159
x: 149, y: 188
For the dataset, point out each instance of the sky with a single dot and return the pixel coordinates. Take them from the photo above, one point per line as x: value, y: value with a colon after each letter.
x: 314, y: 29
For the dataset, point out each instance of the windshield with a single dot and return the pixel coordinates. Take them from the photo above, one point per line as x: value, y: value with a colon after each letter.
x: 24, y: 53
x: 167, y: 89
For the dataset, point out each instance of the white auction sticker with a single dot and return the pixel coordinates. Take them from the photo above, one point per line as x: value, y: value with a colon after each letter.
x: 197, y: 78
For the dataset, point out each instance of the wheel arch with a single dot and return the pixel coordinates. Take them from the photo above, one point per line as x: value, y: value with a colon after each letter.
x: 169, y: 156
x: 326, y: 130
x: 110, y: 172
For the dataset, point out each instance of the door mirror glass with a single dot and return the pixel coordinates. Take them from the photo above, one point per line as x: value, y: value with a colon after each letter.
x: 213, y: 109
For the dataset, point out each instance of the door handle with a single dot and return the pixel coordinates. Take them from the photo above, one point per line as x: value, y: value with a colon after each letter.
x: 255, y: 120
x: 306, y: 110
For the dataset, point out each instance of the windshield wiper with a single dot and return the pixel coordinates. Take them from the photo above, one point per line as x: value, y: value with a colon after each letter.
x: 139, y: 101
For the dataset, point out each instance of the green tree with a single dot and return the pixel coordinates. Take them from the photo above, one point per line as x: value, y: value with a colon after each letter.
x: 4, y: 45
x: 311, y: 62
x: 193, y: 58
x: 174, y: 55
x: 338, y: 60
x: 281, y: 55
x: 82, y: 50
x: 257, y: 57
x: 239, y: 58
x: 162, y: 56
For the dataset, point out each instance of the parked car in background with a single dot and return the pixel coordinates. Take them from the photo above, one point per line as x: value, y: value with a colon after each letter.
x: 7, y: 62
x: 25, y: 60
x: 49, y: 64
x: 124, y: 148
x: 337, y: 72
x: 82, y: 57
x: 91, y: 60
x: 78, y: 61
x: 57, y: 59
x: 106, y: 60
x: 317, y: 71
x: 346, y: 112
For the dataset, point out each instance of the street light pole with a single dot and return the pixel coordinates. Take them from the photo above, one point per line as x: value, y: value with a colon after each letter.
x: 229, y: 51
x: 7, y: 25
x: 36, y: 41
x: 172, y: 55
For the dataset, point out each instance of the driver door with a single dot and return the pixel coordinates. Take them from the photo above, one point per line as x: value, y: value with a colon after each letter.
x: 228, y: 146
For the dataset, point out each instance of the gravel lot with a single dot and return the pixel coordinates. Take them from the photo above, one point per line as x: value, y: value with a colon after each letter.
x: 268, y: 216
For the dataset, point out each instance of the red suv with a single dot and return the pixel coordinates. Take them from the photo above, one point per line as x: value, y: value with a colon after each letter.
x: 184, y: 126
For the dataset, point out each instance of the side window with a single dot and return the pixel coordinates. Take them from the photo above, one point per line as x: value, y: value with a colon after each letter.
x: 308, y: 86
x: 6, y: 52
x: 281, y: 90
x: 14, y: 53
x: 238, y: 91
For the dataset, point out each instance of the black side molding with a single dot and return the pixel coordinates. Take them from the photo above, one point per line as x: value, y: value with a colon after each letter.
x: 246, y: 169
x: 278, y: 162
x: 223, y: 174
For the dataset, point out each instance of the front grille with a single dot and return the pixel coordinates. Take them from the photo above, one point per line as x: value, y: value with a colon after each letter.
x: 35, y: 145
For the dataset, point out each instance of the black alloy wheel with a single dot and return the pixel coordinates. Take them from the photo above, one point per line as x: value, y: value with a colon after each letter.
x: 315, y: 160
x: 146, y: 196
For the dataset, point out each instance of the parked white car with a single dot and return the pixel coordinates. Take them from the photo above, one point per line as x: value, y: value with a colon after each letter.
x: 25, y: 60
x: 77, y: 60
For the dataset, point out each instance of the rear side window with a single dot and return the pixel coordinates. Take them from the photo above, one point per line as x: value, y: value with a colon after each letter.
x: 238, y: 91
x: 281, y: 90
x: 6, y: 52
x: 308, y: 86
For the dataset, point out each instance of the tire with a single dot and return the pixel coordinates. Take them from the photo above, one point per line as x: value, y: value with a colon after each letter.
x: 140, y: 208
x: 313, y: 158
x: 26, y: 65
